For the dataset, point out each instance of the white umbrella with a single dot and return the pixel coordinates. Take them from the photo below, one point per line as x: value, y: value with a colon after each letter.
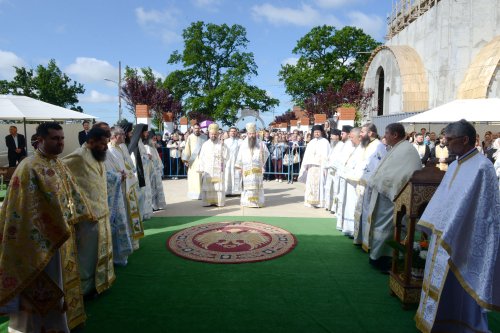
x: 26, y: 108
x: 481, y: 110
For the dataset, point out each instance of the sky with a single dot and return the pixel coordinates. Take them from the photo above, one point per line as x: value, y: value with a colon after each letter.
x: 87, y: 38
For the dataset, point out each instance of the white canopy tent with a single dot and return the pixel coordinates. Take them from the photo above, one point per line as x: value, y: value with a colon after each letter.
x: 24, y: 108
x: 485, y: 110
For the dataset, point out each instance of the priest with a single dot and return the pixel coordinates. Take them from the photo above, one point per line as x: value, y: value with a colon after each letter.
x: 462, y: 270
x: 190, y: 157
x: 232, y: 176
x: 212, y: 161
x: 251, y: 160
x: 313, y: 168
x: 387, y: 181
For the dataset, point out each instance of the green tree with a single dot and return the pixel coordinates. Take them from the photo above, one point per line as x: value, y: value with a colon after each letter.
x: 47, y: 84
x: 216, y: 71
x: 327, y: 57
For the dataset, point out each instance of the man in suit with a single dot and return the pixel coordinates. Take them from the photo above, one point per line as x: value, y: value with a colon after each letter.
x: 16, y: 146
x: 82, y: 135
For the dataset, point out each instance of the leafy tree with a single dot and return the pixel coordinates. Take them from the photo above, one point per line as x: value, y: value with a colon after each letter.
x: 351, y: 93
x: 47, y: 84
x: 216, y: 71
x: 327, y: 57
x: 146, y: 88
x: 285, y: 117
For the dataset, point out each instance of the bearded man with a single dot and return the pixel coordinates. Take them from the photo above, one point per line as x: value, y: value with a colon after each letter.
x: 387, y: 181
x: 373, y: 152
x: 232, y: 176
x: 334, y: 143
x: 118, y: 150
x: 190, y: 158
x: 313, y: 168
x: 251, y: 160
x: 94, y: 240
x: 38, y: 251
x: 212, y: 161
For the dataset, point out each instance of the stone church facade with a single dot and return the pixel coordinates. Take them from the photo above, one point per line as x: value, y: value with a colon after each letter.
x: 436, y: 51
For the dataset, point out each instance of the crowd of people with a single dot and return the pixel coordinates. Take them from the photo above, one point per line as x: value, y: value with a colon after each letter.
x: 66, y: 222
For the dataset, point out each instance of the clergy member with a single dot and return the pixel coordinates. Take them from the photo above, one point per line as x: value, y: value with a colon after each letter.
x: 373, y: 152
x: 37, y: 253
x: 342, y: 187
x: 94, y: 242
x: 156, y: 171
x: 212, y: 161
x: 232, y: 176
x: 251, y: 160
x: 335, y: 146
x: 119, y: 150
x: 190, y: 157
x: 462, y: 270
x: 387, y: 181
x: 313, y: 168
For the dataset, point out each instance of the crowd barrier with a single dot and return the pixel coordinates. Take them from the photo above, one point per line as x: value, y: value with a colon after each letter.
x: 284, y: 165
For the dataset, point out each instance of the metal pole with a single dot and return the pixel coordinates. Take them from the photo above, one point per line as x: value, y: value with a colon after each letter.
x: 119, y: 91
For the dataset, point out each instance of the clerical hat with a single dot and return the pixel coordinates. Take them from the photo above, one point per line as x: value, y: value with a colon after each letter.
x: 213, y: 128
x: 251, y: 128
x: 347, y: 128
x: 317, y: 128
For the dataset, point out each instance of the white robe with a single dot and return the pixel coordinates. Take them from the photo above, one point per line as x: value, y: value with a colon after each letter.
x: 330, y: 175
x: 232, y: 176
x: 350, y: 174
x: 190, y: 156
x: 212, y: 160
x: 313, y: 171
x: 252, y: 163
x: 157, y: 194
x: 342, y: 187
x: 145, y: 197
x: 462, y: 270
x: 387, y: 181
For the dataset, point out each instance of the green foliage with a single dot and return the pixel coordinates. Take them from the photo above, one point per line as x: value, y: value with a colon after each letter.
x: 327, y: 57
x: 215, y: 73
x: 47, y: 84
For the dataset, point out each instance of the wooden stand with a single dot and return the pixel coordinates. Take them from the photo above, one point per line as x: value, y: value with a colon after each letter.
x: 411, y: 201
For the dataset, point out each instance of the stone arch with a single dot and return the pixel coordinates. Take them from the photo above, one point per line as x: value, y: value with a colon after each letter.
x: 481, y: 72
x: 250, y: 113
x: 414, y: 82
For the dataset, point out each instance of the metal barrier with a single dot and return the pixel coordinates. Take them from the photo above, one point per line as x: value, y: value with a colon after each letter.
x: 276, y: 166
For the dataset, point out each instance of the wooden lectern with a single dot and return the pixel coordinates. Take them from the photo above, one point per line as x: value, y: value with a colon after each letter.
x: 411, y: 201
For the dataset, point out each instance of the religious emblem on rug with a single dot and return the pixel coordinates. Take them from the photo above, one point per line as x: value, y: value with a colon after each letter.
x: 231, y: 242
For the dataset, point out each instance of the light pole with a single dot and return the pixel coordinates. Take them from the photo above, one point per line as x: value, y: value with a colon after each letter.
x: 119, y: 83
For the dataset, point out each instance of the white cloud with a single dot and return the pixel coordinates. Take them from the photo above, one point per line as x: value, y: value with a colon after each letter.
x: 160, y: 23
x: 207, y: 4
x: 97, y: 97
x: 333, y: 3
x: 290, y: 61
x: 371, y: 24
x: 304, y: 16
x: 7, y: 62
x: 92, y: 70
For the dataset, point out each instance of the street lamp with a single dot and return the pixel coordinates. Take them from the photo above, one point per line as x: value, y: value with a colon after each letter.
x: 119, y: 84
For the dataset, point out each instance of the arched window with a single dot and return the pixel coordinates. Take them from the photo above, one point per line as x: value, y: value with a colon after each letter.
x: 380, y: 91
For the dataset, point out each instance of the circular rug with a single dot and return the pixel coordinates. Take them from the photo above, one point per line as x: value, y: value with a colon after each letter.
x: 232, y: 242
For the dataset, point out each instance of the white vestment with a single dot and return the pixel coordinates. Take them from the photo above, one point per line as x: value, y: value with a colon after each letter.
x: 232, y: 176
x: 252, y: 163
x: 145, y: 194
x: 462, y: 270
x: 351, y: 176
x: 190, y: 156
x: 342, y: 186
x: 387, y: 181
x: 157, y: 194
x: 313, y: 171
x: 330, y: 175
x: 212, y: 161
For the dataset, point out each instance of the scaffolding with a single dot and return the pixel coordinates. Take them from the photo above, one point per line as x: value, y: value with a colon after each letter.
x: 405, y: 12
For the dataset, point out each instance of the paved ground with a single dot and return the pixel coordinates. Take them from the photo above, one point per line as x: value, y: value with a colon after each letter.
x: 282, y: 199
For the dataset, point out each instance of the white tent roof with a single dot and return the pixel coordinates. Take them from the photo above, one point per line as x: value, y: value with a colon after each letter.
x: 27, y: 108
x: 472, y: 110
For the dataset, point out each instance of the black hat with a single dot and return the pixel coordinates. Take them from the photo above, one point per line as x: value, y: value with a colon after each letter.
x: 347, y: 128
x: 317, y: 128
x: 127, y: 127
x: 335, y: 132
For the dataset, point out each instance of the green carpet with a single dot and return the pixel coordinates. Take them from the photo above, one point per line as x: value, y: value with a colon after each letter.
x: 324, y: 285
